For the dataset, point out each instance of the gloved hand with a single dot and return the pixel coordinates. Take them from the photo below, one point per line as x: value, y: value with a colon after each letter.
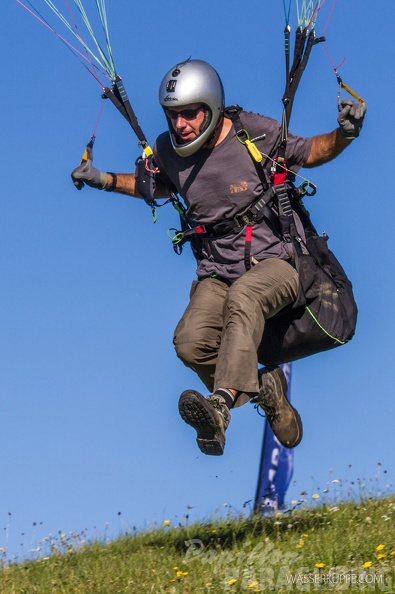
x: 85, y: 173
x: 351, y: 118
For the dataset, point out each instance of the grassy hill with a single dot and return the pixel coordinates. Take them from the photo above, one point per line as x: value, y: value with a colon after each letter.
x: 345, y: 547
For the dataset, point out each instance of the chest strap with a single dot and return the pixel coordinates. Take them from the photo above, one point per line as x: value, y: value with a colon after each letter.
x: 254, y: 214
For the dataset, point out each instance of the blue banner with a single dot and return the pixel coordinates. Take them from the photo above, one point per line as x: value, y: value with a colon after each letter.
x: 276, y: 466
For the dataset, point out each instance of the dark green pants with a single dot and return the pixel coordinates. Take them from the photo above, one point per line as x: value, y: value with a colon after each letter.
x: 219, y: 334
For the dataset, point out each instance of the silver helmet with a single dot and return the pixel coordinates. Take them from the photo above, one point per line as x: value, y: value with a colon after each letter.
x: 193, y: 81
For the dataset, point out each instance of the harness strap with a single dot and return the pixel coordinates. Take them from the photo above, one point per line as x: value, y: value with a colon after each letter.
x: 145, y: 167
x: 257, y: 212
x: 233, y: 113
x: 286, y: 218
x: 279, y: 187
x: 247, y: 247
x: 303, y: 45
x: 117, y: 94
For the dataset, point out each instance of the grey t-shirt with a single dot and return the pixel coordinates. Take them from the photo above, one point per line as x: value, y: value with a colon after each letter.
x: 220, y: 183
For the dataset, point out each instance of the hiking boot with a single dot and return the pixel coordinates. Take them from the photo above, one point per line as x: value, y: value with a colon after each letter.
x: 209, y: 416
x: 283, y: 418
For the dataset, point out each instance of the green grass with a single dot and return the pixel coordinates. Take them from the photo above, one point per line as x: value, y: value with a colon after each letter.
x: 344, y: 547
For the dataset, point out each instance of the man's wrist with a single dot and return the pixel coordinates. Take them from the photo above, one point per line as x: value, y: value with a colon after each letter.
x: 347, y: 136
x: 103, y: 179
x: 111, y: 182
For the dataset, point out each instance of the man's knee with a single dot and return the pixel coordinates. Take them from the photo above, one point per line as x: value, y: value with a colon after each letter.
x: 194, y: 351
x: 186, y: 351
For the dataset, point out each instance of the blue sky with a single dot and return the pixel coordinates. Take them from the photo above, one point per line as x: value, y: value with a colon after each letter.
x: 91, y: 289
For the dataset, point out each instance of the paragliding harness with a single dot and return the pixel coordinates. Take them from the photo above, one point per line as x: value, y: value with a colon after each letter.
x: 324, y: 314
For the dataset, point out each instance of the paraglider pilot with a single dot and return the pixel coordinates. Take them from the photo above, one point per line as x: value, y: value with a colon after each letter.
x: 218, y: 336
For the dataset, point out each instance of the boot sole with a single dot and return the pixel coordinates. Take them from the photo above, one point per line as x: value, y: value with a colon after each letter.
x: 195, y: 411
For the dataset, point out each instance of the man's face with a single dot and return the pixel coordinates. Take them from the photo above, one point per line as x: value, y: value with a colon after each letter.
x: 187, y: 121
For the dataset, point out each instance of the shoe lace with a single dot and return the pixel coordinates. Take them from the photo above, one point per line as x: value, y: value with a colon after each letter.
x: 216, y: 403
x: 271, y: 412
x: 220, y: 406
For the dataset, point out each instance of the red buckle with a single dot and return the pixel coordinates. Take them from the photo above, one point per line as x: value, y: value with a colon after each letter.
x: 280, y: 173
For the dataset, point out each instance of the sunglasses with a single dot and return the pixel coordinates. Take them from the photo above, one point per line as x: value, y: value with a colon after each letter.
x: 186, y: 114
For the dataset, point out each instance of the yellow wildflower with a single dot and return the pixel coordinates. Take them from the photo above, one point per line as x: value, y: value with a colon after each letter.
x: 381, y: 556
x: 232, y: 582
x: 380, y: 547
x: 253, y: 585
x: 166, y: 523
x: 320, y: 565
x: 315, y: 496
x: 392, y: 553
x: 367, y: 564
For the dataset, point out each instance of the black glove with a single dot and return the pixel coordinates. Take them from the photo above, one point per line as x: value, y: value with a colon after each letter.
x: 351, y: 118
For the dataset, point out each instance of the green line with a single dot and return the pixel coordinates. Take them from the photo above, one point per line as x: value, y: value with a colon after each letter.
x: 101, y: 8
x: 108, y: 63
x: 323, y: 329
x: 286, y: 15
x: 104, y: 65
